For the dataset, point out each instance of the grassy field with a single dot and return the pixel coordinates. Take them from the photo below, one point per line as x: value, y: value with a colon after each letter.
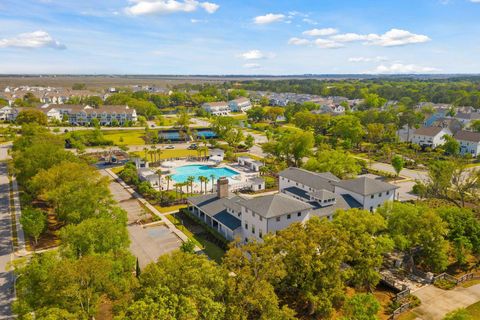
x: 169, y: 154
x: 171, y: 208
x: 125, y: 137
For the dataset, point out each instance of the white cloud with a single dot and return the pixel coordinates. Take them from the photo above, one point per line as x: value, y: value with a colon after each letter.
x: 252, y: 66
x: 350, y: 37
x: 328, y: 44
x: 398, y: 37
x: 299, y: 41
x: 210, y: 7
x: 367, y: 59
x: 256, y: 55
x: 152, y: 7
x: 36, y: 39
x: 269, y: 18
x: 320, y: 32
x: 475, y: 1
x: 393, y: 37
x: 396, y: 68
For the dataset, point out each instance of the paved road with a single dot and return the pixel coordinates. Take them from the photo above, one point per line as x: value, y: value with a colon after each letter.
x: 149, y: 243
x: 436, y: 303
x: 6, y: 245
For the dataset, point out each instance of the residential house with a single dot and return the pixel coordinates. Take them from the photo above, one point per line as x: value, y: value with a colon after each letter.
x: 451, y: 123
x: 431, y: 137
x: 469, y: 142
x: 8, y: 113
x: 240, y: 105
x: 371, y: 193
x: 467, y: 118
x: 217, y: 108
x: 303, y: 194
x: 83, y: 115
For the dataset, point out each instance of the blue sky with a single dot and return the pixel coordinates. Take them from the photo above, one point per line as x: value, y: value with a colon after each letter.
x: 239, y: 37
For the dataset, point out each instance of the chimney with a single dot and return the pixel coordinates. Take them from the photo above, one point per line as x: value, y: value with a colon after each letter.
x: 222, y: 187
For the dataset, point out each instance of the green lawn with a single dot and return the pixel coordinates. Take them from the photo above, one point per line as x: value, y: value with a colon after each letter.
x: 169, y: 154
x: 211, y: 250
x: 246, y: 154
x: 125, y: 137
x: 171, y: 208
x: 474, y: 310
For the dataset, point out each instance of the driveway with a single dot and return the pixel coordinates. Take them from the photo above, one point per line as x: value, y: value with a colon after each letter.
x: 146, y: 243
x: 436, y: 303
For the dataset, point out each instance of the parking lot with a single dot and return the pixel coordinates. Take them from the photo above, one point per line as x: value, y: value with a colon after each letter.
x: 147, y: 243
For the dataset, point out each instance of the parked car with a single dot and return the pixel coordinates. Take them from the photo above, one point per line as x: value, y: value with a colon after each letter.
x: 193, y: 147
x: 170, y: 147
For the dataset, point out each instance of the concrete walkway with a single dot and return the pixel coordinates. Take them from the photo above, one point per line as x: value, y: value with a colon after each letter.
x: 152, y: 209
x: 436, y: 303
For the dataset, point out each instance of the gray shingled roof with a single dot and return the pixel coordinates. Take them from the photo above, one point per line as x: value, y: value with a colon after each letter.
x: 467, y: 136
x: 343, y: 202
x: 275, y: 205
x: 365, y: 186
x: 317, y: 181
x: 211, y: 204
x: 428, y: 131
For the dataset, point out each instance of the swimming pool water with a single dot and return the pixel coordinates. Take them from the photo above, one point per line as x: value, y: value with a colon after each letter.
x: 182, y: 173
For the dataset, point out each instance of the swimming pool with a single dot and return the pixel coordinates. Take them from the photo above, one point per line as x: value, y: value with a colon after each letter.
x: 182, y: 173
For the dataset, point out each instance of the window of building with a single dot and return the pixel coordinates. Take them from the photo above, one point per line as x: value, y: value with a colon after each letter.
x: 253, y: 229
x: 299, y: 214
x: 371, y: 208
x: 380, y: 194
x: 253, y: 214
x: 278, y: 219
x: 260, y: 234
x: 246, y: 226
x: 371, y: 196
x: 388, y: 192
x: 260, y: 217
x: 289, y: 216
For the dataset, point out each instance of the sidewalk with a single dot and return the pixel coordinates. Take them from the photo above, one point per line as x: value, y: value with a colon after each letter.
x: 17, y: 210
x: 436, y: 303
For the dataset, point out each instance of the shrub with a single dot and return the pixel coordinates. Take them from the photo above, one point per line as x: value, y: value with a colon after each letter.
x: 445, y: 284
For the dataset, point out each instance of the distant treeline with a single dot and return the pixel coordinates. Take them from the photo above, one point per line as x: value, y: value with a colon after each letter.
x: 457, y: 91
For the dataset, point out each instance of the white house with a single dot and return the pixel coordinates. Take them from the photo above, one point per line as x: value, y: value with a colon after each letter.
x: 240, y: 105
x: 370, y: 193
x: 302, y: 195
x: 8, y: 113
x: 83, y: 115
x: 431, y: 137
x: 217, y: 108
x: 469, y: 142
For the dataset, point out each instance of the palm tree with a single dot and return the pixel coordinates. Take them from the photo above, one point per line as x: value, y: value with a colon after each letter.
x: 206, y: 182
x: 212, y: 176
x: 201, y: 179
x: 168, y: 178
x: 159, y: 173
x: 145, y: 149
x: 176, y: 185
x: 190, y: 180
x: 154, y: 152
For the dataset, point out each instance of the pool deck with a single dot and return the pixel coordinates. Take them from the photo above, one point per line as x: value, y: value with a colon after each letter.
x: 243, y: 174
